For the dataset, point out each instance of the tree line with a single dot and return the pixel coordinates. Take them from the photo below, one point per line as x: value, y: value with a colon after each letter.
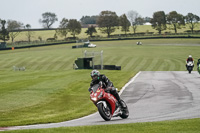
x: 106, y: 21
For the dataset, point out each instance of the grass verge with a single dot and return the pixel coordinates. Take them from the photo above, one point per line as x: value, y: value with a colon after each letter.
x: 51, y: 91
x: 179, y: 126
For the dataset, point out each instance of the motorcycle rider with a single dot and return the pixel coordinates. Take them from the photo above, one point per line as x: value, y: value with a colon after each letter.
x: 198, y: 62
x: 107, y: 85
x: 198, y: 68
x: 189, y: 59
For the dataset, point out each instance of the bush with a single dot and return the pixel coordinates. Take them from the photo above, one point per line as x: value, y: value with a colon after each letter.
x: 71, y: 38
x: 188, y: 31
x: 51, y: 39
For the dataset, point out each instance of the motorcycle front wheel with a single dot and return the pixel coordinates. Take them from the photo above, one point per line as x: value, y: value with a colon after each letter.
x: 105, y: 112
x: 198, y: 69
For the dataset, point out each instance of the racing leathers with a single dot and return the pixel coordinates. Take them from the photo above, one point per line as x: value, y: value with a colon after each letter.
x: 107, y: 85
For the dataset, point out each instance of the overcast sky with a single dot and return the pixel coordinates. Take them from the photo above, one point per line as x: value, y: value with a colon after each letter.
x: 30, y: 11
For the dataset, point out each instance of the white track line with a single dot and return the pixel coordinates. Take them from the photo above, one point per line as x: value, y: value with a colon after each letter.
x: 129, y: 82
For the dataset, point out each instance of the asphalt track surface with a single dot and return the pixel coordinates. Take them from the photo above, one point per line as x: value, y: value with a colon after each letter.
x: 150, y: 96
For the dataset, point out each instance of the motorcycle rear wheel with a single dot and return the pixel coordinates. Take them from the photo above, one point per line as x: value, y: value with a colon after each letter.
x: 125, y: 112
x: 104, y: 112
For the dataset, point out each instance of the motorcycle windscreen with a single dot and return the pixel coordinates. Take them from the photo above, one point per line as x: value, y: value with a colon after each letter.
x: 95, y: 88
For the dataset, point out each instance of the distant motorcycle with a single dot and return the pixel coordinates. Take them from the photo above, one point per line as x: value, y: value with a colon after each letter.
x: 190, y: 66
x: 107, y: 104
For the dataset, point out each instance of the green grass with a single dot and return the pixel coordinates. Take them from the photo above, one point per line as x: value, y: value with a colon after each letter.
x: 51, y: 91
x: 50, y: 33
x: 180, y: 126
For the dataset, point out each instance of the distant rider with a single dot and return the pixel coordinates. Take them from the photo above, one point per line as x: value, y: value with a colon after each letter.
x: 198, y: 62
x: 198, y: 67
x: 107, y: 85
x: 189, y: 59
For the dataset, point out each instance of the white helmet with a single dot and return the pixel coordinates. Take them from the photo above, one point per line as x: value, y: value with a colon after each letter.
x: 190, y: 56
x: 94, y: 72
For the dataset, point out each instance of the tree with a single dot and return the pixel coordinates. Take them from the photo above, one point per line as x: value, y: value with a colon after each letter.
x: 14, y: 28
x: 88, y: 19
x: 62, y: 29
x: 91, y: 30
x: 4, y: 34
x: 159, y: 21
x: 123, y: 21
x: 55, y: 36
x: 40, y: 38
x: 140, y: 21
x: 133, y: 17
x: 147, y: 19
x: 29, y: 32
x: 74, y: 27
x: 107, y: 22
x: 192, y: 20
x: 48, y: 19
x: 175, y: 20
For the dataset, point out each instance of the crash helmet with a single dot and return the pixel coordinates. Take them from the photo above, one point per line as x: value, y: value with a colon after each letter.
x: 95, y: 74
x: 190, y: 56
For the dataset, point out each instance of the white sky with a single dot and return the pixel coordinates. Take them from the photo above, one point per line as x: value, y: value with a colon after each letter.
x: 30, y: 11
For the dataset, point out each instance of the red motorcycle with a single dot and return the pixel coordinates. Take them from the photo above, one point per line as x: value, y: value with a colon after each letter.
x: 107, y: 104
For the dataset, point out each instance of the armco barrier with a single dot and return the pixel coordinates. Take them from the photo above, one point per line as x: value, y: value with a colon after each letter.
x: 39, y: 45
